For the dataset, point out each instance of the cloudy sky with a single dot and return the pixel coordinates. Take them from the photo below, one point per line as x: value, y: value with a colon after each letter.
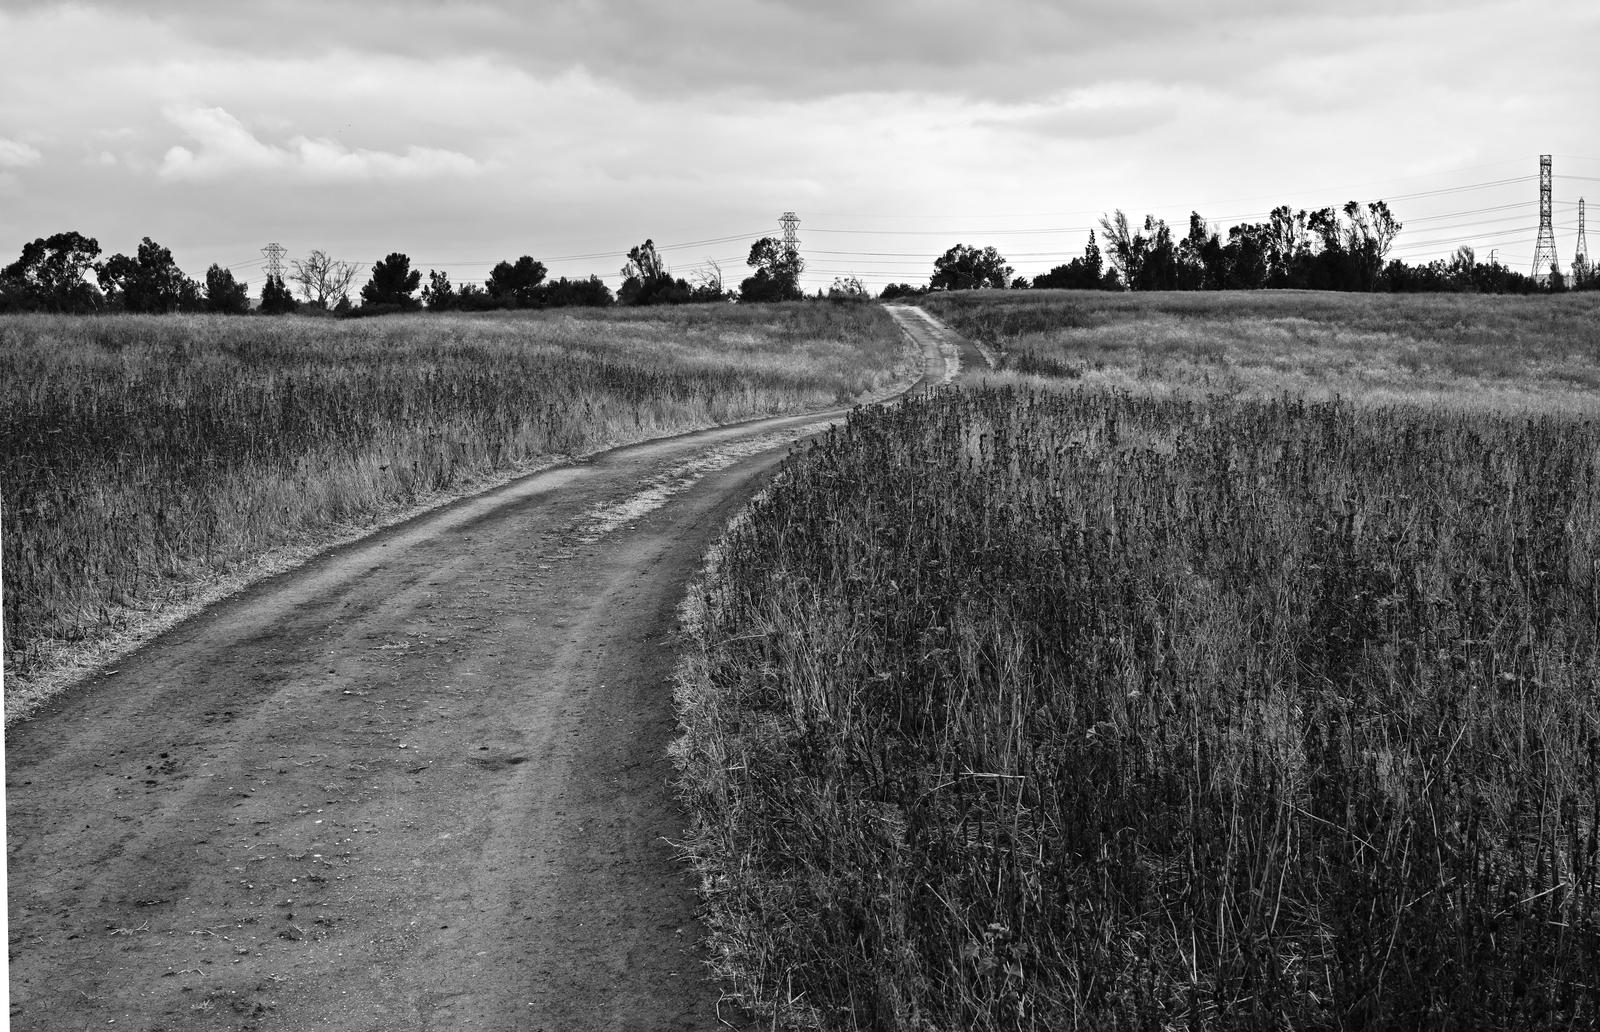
x: 464, y: 132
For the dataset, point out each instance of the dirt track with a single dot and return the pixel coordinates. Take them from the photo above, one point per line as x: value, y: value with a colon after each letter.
x: 418, y: 783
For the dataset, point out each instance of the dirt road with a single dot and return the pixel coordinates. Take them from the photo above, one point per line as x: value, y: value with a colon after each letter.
x: 418, y: 783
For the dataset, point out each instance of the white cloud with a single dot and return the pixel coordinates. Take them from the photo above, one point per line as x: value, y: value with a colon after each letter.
x: 488, y: 129
x: 224, y: 146
x: 16, y: 154
x: 1104, y: 111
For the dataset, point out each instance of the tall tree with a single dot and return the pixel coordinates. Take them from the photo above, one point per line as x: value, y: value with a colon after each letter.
x: 1200, y: 257
x: 646, y: 280
x: 1158, y: 257
x: 52, y: 274
x: 1124, y: 248
x: 967, y: 268
x: 1093, y: 264
x: 439, y: 295
x: 322, y: 280
x: 516, y: 285
x: 393, y: 283
x: 1368, y: 236
x: 1286, y: 246
x: 777, y: 272
x: 1463, y: 268
x: 224, y: 294
x: 1085, y: 273
x: 276, y: 298
x: 148, y: 282
x: 1248, y: 256
x: 589, y: 293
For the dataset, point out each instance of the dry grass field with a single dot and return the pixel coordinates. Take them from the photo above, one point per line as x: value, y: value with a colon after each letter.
x: 1493, y: 352
x: 1228, y: 662
x: 146, y: 459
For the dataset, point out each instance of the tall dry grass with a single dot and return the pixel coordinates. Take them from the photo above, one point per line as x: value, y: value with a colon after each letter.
x: 1068, y: 706
x: 142, y: 457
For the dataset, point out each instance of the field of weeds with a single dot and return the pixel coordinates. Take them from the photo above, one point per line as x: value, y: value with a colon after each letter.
x: 1493, y: 352
x: 142, y: 458
x: 1059, y: 704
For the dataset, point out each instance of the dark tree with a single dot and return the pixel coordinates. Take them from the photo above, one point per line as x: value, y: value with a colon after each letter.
x: 565, y: 293
x: 898, y: 290
x: 51, y: 275
x: 393, y: 284
x: 1285, y: 244
x: 1201, y: 265
x: 967, y: 268
x: 115, y: 275
x: 1326, y: 266
x: 1248, y: 257
x: 224, y: 294
x: 473, y: 298
x: 439, y: 295
x: 1124, y: 249
x: 777, y: 275
x: 1086, y: 273
x: 1583, y: 273
x: 516, y: 285
x: 1158, y: 257
x: 646, y: 280
x: 14, y: 296
x: 149, y: 282
x: 1368, y: 235
x: 276, y: 299
x: 1093, y: 265
x: 191, y: 296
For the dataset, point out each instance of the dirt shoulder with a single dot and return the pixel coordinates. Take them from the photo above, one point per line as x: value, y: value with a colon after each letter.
x: 418, y: 783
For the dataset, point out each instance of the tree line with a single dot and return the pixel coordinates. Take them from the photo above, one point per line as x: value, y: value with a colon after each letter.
x: 1326, y: 249
x: 65, y: 273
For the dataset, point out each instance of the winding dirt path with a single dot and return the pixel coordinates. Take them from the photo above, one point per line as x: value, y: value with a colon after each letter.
x: 419, y: 783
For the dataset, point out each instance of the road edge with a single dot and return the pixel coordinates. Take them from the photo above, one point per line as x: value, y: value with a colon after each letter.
x: 694, y: 751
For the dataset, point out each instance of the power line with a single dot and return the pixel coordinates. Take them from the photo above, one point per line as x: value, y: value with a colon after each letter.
x: 1333, y: 190
x: 1434, y: 231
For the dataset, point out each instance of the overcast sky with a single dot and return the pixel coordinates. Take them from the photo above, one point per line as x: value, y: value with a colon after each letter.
x: 462, y: 133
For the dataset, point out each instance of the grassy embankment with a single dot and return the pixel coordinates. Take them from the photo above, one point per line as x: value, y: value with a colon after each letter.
x: 143, y: 459
x: 1149, y: 695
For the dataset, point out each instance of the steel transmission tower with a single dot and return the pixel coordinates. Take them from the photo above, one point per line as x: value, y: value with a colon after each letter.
x: 1544, y: 252
x: 1580, y: 260
x: 275, y: 252
x: 791, y: 231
